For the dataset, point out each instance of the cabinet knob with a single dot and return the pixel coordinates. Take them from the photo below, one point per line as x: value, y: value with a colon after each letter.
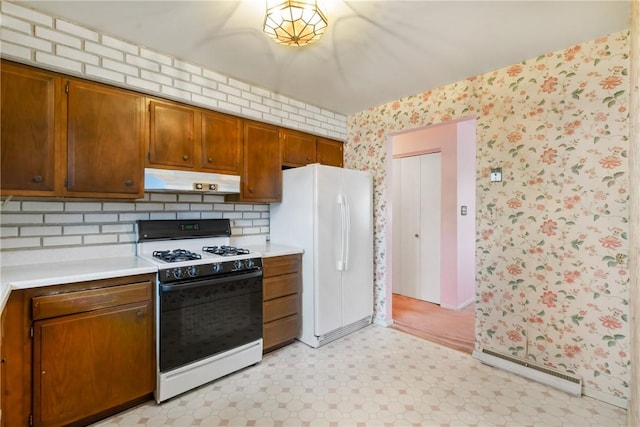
x: 309, y: 158
x: 38, y: 179
x: 185, y: 157
x: 140, y: 314
x: 210, y: 159
x: 128, y: 182
x: 250, y: 189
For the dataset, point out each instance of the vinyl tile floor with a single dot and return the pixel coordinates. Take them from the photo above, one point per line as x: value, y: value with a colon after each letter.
x: 373, y: 377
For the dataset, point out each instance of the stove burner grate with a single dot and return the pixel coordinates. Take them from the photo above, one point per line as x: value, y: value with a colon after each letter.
x: 176, y: 255
x: 225, y: 250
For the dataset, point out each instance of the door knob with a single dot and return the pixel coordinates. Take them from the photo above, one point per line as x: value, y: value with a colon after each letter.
x: 416, y: 235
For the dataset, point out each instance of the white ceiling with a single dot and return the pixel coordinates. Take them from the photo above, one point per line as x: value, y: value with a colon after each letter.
x: 373, y: 51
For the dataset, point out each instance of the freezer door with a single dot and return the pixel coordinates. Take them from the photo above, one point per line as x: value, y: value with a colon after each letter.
x: 357, y: 277
x: 328, y: 302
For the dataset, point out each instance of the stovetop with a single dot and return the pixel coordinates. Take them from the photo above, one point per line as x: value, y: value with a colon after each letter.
x: 176, y: 244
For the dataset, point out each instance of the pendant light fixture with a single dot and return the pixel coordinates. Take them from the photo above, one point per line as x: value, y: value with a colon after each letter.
x: 294, y: 22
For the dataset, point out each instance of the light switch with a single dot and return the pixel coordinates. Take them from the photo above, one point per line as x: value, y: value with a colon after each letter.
x: 463, y: 210
x: 496, y: 175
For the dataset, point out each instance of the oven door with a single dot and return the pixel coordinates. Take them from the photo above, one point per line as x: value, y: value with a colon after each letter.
x: 204, y: 317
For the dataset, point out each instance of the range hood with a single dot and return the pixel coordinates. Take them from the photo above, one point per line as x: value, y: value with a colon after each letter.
x: 192, y: 182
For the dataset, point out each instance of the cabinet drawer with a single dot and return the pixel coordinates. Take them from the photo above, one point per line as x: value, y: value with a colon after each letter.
x: 275, y: 266
x: 279, y: 286
x: 281, y: 331
x: 75, y: 302
x: 280, y: 307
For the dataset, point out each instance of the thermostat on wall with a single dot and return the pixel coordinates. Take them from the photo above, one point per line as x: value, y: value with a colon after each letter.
x: 496, y: 175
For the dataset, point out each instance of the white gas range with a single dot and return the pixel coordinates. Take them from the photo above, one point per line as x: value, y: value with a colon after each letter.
x: 208, y: 302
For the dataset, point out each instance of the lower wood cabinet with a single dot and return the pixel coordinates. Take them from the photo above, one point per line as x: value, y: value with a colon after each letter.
x: 282, y: 286
x: 77, y: 353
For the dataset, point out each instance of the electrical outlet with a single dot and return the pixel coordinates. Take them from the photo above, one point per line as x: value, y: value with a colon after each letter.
x: 621, y: 259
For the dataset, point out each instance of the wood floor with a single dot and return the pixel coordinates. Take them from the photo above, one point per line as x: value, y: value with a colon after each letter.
x: 450, y: 328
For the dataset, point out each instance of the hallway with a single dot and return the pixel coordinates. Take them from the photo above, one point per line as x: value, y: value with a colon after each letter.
x: 450, y: 328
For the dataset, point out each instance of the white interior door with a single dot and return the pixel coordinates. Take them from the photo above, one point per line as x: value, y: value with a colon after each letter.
x: 430, y: 228
x: 417, y: 226
x: 410, y: 226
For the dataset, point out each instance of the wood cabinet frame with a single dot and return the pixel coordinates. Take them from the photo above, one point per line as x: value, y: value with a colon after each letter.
x: 282, y: 288
x: 18, y: 348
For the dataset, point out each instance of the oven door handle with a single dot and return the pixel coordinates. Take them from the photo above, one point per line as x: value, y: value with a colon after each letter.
x: 209, y: 282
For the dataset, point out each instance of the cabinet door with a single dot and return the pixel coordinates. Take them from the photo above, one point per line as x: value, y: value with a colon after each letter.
x: 262, y: 169
x: 221, y: 143
x: 90, y: 362
x: 171, y: 135
x: 28, y: 130
x: 105, y: 141
x: 330, y: 152
x: 298, y: 149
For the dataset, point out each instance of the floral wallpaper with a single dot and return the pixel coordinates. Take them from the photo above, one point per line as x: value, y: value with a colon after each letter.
x: 551, y: 245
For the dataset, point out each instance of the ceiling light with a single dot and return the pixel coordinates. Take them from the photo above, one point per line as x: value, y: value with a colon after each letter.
x: 294, y: 23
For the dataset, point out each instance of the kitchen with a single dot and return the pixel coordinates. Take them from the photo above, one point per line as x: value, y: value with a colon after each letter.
x: 108, y: 225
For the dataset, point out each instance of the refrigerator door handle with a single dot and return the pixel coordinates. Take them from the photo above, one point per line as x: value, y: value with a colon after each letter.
x: 347, y: 234
x: 340, y: 264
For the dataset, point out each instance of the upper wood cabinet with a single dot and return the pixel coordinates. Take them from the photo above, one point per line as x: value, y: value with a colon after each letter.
x: 171, y: 134
x: 330, y: 152
x: 262, y: 166
x: 190, y: 138
x: 105, y: 141
x: 28, y: 131
x: 298, y: 149
x: 69, y: 137
x: 221, y: 143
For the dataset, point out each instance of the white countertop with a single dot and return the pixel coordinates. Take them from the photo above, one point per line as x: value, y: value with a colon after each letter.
x: 268, y: 250
x: 46, y: 274
x: 71, y: 271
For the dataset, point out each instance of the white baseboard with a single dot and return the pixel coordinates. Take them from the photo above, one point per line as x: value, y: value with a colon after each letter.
x: 383, y: 322
x: 607, y: 398
x: 459, y: 306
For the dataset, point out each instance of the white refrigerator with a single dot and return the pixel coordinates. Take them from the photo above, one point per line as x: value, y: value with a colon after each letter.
x: 327, y: 211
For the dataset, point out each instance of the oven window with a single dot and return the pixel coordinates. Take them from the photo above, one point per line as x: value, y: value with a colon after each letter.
x: 200, y: 321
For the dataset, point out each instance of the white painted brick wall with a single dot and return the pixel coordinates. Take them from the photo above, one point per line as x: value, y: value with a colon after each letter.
x: 35, y: 224
x: 34, y: 38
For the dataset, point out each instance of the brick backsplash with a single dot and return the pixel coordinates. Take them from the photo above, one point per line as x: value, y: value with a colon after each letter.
x: 34, y: 38
x: 34, y: 224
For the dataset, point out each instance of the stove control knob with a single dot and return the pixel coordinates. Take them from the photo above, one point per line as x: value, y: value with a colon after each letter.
x: 178, y: 273
x: 216, y: 267
x: 249, y: 263
x: 237, y: 265
x: 192, y: 271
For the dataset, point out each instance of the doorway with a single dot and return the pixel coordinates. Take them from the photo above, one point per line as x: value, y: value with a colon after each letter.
x: 448, y: 150
x: 416, y: 208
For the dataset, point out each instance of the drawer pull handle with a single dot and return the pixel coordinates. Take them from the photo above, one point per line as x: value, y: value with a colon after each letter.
x: 38, y: 179
x: 128, y: 182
